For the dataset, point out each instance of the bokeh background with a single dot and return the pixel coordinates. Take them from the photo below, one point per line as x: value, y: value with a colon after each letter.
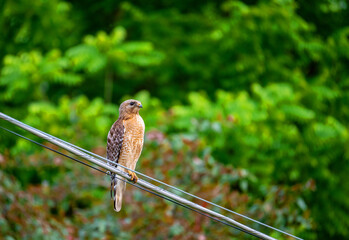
x: 246, y: 104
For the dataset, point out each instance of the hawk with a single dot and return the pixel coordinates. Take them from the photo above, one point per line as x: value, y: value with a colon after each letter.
x: 124, y: 146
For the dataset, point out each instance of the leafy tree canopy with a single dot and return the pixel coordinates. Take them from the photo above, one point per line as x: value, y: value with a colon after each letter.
x: 246, y: 104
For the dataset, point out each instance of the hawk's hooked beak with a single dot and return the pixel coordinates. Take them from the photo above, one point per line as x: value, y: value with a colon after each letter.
x: 140, y: 106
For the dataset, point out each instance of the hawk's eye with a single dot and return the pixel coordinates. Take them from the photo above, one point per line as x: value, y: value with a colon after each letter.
x: 132, y: 103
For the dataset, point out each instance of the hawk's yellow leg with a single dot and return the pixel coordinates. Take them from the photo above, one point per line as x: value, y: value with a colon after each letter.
x: 134, y: 177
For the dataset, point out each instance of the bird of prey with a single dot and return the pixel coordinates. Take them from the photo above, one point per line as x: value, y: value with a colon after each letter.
x: 124, y: 146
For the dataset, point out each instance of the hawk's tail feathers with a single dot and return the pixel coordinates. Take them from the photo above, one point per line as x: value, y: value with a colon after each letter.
x: 117, y: 190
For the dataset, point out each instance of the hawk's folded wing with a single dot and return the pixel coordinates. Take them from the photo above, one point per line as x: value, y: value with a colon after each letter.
x: 114, y: 141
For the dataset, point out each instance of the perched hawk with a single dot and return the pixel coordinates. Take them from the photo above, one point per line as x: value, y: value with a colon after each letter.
x: 125, y: 143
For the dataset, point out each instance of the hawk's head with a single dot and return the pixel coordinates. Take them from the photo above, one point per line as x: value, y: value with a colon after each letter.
x: 129, y: 107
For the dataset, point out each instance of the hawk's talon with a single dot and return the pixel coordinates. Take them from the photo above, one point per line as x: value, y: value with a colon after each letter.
x: 134, y: 177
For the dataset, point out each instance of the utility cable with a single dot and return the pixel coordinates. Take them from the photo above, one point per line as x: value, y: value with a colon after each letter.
x: 89, y: 157
x: 170, y: 186
x: 142, y: 188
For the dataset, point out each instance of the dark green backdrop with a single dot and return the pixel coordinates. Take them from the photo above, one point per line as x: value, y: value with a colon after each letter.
x: 246, y: 103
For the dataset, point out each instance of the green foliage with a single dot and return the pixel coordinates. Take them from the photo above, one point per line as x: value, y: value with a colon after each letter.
x: 76, y: 113
x: 37, y: 76
x: 237, y: 44
x: 27, y: 77
x: 245, y: 104
x: 48, y: 24
x: 112, y: 56
x: 96, y: 52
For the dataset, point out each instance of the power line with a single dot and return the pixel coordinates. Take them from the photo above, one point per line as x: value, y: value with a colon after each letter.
x: 18, y: 123
x: 180, y: 190
x: 83, y: 154
x: 129, y: 182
